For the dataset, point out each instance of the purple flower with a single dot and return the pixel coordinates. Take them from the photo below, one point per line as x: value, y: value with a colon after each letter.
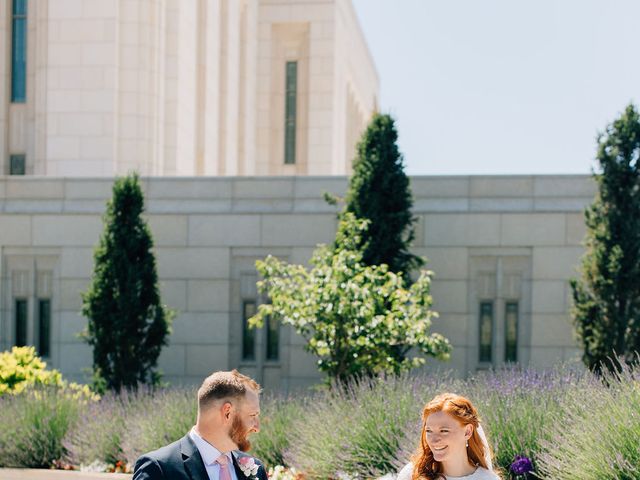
x: 521, y: 465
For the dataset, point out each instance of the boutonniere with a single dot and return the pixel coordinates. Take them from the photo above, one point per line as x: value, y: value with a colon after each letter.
x: 248, y: 466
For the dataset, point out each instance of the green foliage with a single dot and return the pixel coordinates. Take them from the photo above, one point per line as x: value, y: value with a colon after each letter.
x: 359, y: 320
x: 355, y: 307
x: 606, y: 309
x: 379, y: 192
x: 128, y: 326
x: 34, y: 424
x: 22, y: 368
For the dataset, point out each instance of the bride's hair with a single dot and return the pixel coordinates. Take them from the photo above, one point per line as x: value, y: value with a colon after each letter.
x: 424, y: 465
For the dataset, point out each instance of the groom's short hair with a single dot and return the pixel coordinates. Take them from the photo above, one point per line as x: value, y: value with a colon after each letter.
x: 225, y: 386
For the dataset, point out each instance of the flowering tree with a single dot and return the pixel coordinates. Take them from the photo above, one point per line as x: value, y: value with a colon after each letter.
x: 359, y: 320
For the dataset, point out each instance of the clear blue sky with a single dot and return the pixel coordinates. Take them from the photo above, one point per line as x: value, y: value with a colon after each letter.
x: 503, y: 86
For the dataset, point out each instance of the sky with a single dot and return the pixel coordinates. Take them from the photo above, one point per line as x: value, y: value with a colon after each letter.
x: 503, y: 86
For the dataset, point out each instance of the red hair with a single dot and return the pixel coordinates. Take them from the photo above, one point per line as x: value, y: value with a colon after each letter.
x: 424, y: 465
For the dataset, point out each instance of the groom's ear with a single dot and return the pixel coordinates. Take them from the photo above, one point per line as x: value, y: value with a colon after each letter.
x: 227, y: 408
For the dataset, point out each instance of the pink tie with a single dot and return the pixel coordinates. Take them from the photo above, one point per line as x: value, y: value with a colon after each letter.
x: 223, y: 461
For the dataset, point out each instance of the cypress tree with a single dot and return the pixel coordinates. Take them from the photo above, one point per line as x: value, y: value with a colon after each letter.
x: 606, y: 310
x: 128, y: 326
x: 379, y: 192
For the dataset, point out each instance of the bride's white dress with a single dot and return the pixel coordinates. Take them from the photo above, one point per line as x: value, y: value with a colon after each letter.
x: 479, y: 474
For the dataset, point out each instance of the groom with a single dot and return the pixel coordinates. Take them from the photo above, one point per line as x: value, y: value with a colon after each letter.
x: 228, y: 410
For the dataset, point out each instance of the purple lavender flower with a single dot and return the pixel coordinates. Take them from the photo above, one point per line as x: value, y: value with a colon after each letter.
x: 521, y: 465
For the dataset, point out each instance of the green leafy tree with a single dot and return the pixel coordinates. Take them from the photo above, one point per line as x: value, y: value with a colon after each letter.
x: 128, y: 326
x: 379, y: 192
x: 360, y: 320
x: 606, y: 298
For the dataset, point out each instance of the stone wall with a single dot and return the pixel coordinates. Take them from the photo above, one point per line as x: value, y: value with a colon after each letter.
x: 495, y: 239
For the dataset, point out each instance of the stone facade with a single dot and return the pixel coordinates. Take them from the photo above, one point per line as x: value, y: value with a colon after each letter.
x: 185, y: 87
x: 499, y: 240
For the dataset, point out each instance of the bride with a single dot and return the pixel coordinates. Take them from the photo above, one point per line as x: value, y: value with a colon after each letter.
x: 453, y: 445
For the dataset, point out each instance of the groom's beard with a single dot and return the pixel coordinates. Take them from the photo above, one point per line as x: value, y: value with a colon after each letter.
x: 239, y: 434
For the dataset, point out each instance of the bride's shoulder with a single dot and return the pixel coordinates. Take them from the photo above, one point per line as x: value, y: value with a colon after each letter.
x: 484, y: 474
x: 405, y: 473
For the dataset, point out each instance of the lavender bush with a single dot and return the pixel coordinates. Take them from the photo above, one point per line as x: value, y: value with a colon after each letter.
x: 158, y: 419
x: 595, y: 433
x: 517, y: 404
x: 34, y: 424
x: 359, y: 429
x: 98, y: 434
x: 569, y: 423
x: 277, y: 415
x: 373, y: 427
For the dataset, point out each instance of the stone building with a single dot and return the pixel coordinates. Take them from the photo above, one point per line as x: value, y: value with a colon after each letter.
x: 182, y: 87
x: 238, y: 114
x: 502, y: 248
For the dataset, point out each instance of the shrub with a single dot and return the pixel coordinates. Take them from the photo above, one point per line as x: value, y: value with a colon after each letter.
x: 517, y: 405
x: 37, y: 407
x: 98, y: 435
x: 277, y: 416
x: 359, y: 320
x: 160, y: 417
x: 21, y: 368
x: 34, y: 424
x: 595, y: 433
x: 359, y: 429
x: 572, y: 424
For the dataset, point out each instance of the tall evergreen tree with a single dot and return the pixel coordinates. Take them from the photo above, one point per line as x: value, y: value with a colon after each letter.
x: 606, y: 309
x: 128, y: 326
x: 379, y: 192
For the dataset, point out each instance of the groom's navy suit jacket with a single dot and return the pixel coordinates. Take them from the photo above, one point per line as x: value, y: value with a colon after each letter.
x: 181, y: 460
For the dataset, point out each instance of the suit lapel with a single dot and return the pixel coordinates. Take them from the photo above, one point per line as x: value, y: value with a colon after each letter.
x: 193, y: 463
x: 239, y: 473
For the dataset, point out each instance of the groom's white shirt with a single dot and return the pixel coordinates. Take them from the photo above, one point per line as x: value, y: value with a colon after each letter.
x: 209, y: 454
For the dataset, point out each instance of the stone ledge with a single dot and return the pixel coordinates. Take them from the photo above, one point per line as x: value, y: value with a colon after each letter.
x: 286, y: 194
x: 44, y: 474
